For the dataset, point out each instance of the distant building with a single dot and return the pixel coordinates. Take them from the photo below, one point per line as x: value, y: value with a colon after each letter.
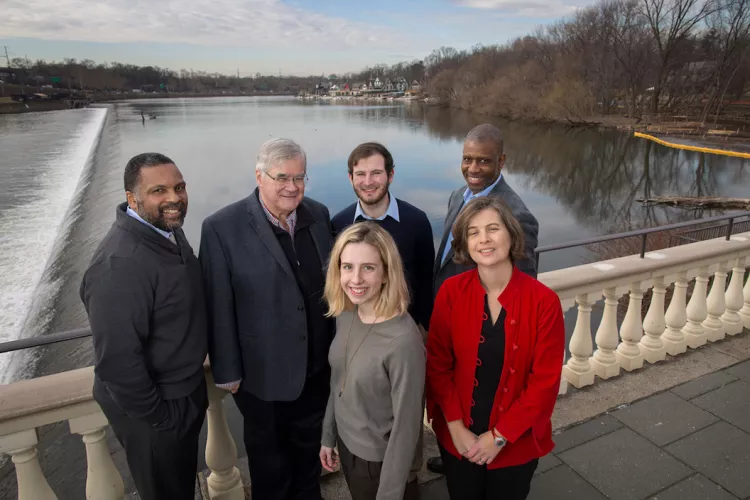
x: 374, y: 84
x: 321, y: 88
x: 396, y: 85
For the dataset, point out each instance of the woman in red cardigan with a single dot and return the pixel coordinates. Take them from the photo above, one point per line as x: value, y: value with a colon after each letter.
x: 494, y: 358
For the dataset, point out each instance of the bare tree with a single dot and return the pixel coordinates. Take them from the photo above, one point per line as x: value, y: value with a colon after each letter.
x: 633, y: 49
x: 729, y: 25
x: 671, y: 23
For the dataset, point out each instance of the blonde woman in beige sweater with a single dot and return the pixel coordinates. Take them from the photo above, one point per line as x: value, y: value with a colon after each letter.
x: 377, y: 362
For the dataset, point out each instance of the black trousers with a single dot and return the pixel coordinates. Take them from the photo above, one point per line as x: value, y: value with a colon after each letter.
x: 163, y: 463
x: 282, y: 439
x: 363, y: 477
x: 470, y: 481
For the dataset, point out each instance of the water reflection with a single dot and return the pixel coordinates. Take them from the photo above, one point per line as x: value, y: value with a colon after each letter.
x: 579, y: 183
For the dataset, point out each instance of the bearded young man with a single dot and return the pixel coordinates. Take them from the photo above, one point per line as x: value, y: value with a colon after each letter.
x: 143, y: 293
x: 371, y: 171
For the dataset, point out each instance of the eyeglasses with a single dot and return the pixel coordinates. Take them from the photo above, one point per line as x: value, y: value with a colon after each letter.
x: 297, y: 180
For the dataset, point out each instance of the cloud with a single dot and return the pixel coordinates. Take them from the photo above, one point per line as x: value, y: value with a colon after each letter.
x: 256, y: 24
x: 532, y: 8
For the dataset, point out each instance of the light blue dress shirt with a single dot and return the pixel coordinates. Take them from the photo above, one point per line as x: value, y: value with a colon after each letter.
x: 392, y: 211
x: 468, y: 196
x: 134, y: 214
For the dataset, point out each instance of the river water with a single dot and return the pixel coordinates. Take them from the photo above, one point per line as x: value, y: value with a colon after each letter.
x: 61, y: 176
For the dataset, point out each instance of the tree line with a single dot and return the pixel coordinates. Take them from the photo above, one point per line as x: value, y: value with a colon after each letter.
x: 627, y: 57
x: 631, y: 57
x: 113, y: 77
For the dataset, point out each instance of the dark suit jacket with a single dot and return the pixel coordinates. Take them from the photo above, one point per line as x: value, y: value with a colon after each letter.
x: 529, y: 224
x: 257, y: 328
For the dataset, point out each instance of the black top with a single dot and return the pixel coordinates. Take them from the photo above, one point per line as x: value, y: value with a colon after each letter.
x: 490, y: 358
x: 305, y: 263
x: 413, y: 236
x: 146, y: 305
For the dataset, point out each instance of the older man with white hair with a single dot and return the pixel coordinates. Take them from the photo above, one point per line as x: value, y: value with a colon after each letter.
x: 263, y: 260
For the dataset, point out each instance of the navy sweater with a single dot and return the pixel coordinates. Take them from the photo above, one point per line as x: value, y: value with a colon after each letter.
x: 413, y: 237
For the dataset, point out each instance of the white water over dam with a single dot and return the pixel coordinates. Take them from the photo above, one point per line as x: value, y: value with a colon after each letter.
x: 43, y: 158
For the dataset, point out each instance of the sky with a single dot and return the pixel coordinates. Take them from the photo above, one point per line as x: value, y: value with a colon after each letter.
x: 292, y: 37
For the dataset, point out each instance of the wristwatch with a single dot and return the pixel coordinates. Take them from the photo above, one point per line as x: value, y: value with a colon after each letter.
x: 500, y: 441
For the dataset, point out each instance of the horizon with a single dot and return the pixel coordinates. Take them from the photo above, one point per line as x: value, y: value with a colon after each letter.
x: 270, y: 37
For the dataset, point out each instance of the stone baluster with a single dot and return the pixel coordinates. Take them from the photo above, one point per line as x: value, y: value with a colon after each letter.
x: 103, y: 481
x: 577, y: 370
x: 695, y: 335
x: 224, y: 481
x: 654, y: 324
x: 628, y: 352
x: 673, y: 338
x: 731, y: 317
x: 565, y: 305
x: 21, y: 446
x: 745, y: 311
x: 604, y: 362
x: 712, y: 325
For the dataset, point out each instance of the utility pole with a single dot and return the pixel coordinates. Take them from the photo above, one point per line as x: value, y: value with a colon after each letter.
x: 238, y: 73
x: 7, y: 57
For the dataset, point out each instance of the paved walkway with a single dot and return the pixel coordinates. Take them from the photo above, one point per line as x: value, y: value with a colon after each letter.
x: 688, y: 443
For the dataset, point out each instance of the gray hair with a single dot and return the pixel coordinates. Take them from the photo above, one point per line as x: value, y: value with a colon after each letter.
x: 277, y: 151
x: 486, y: 133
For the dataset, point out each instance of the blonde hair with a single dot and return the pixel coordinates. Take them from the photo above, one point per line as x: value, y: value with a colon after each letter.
x: 394, y: 294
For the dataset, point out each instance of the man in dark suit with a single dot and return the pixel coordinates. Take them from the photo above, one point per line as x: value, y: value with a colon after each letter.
x: 481, y: 165
x: 263, y: 262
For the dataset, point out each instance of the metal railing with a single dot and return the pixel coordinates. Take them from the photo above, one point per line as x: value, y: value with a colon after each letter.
x: 54, y: 338
x: 51, y: 338
x: 707, y: 233
x: 643, y: 234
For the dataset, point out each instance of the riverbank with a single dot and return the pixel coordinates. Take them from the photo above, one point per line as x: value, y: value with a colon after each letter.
x: 9, y: 106
x: 728, y: 135
x: 181, y: 95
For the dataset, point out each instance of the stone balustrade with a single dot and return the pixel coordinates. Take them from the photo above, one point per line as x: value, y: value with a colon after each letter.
x: 30, y: 404
x: 707, y: 317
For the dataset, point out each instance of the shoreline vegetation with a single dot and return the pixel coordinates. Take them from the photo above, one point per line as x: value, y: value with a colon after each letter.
x: 677, y: 68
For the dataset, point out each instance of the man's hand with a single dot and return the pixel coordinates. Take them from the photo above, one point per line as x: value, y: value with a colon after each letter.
x: 463, y: 438
x: 328, y: 458
x: 233, y: 388
x: 484, y: 449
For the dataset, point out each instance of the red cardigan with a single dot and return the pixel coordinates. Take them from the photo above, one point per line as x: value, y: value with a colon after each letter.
x: 530, y: 380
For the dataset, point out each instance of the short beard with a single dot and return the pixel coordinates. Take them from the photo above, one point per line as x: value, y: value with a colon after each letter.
x: 158, y: 222
x: 377, y: 200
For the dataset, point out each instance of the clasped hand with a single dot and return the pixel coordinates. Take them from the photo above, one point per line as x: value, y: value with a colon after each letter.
x: 480, y: 449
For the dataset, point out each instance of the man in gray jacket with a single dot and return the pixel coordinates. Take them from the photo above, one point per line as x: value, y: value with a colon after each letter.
x: 263, y: 259
x: 481, y: 165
